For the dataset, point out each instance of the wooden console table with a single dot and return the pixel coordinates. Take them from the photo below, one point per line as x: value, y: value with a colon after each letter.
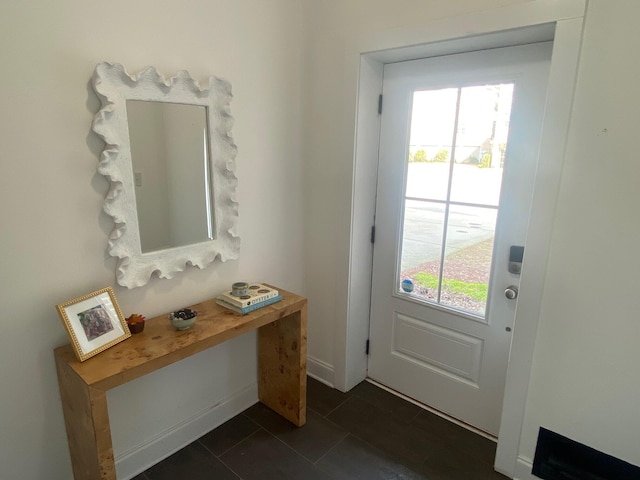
x: 282, y: 365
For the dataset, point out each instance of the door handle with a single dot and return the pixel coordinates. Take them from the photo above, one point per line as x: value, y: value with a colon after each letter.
x: 511, y: 292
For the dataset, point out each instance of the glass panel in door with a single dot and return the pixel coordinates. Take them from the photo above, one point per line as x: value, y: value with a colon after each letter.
x: 454, y: 174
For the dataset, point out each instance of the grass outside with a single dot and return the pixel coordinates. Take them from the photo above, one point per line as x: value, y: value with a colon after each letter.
x: 477, y: 291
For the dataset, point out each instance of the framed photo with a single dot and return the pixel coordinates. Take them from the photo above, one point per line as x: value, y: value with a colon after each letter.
x: 94, y: 322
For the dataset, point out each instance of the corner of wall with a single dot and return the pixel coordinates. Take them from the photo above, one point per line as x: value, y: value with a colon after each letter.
x: 321, y: 371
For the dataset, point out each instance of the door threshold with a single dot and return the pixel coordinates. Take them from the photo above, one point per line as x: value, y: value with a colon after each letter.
x: 437, y: 412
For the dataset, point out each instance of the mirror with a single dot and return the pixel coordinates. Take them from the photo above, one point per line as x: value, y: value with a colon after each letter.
x: 169, y: 157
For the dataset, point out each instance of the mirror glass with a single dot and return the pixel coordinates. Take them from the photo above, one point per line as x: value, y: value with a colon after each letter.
x: 170, y: 168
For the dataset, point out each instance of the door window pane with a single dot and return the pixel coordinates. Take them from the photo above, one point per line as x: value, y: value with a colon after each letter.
x: 481, y: 140
x: 467, y: 258
x: 433, y: 119
x: 422, y: 237
x: 451, y: 207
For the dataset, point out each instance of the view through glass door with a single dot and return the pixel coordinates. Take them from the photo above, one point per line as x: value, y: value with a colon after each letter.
x: 457, y: 145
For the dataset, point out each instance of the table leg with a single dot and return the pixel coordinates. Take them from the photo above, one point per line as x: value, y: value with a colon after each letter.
x: 282, y: 366
x: 87, y: 421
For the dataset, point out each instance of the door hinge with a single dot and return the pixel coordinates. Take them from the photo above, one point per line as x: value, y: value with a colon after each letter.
x: 366, y: 350
x: 373, y: 234
x: 380, y: 105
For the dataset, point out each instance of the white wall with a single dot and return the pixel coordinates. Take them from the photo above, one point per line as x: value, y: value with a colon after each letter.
x: 54, y: 234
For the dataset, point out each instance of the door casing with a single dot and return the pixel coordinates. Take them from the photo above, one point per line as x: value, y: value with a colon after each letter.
x: 519, y: 24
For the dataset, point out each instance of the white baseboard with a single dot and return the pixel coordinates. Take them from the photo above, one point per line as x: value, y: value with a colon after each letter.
x: 139, y: 458
x: 523, y: 470
x: 321, y: 371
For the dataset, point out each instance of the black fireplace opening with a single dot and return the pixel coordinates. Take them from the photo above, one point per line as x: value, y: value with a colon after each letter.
x: 560, y: 458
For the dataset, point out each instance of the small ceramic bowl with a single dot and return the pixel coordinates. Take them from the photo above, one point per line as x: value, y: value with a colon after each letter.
x: 183, y: 319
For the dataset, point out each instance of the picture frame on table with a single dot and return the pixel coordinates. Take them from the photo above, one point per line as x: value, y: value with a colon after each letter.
x: 94, y: 322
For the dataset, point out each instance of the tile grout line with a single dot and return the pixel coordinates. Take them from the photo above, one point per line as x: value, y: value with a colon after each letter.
x: 217, y: 457
x: 229, y: 449
x: 347, y: 433
x: 337, y: 406
x: 300, y: 454
x: 235, y: 444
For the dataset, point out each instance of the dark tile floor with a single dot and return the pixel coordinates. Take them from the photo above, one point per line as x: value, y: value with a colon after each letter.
x: 366, y: 434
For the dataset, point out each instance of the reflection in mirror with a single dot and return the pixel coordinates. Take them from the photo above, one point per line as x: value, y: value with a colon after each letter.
x: 170, y: 159
x: 170, y: 167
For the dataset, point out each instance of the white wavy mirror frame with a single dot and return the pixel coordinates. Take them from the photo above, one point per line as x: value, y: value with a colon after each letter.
x: 136, y: 262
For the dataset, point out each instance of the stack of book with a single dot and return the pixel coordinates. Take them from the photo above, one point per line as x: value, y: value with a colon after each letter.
x: 258, y: 296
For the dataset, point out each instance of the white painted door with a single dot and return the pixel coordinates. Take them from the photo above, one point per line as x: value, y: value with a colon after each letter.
x: 458, y: 152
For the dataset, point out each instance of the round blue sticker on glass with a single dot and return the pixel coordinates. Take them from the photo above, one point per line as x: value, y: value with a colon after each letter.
x: 407, y: 285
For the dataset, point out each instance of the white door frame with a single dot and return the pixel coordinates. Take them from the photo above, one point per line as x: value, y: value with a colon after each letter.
x: 538, y: 20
